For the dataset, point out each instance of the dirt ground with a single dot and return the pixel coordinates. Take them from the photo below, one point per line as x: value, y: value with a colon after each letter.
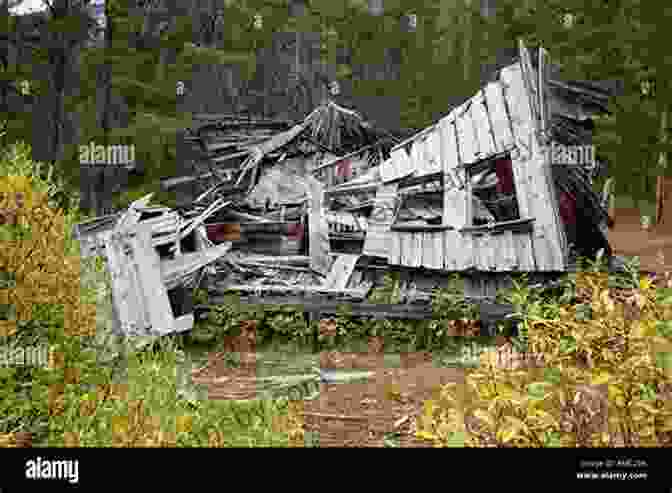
x: 629, y: 239
x: 350, y: 414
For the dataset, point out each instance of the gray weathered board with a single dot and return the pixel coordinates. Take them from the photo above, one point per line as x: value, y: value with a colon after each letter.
x: 378, y: 235
x: 500, y: 118
x: 341, y: 271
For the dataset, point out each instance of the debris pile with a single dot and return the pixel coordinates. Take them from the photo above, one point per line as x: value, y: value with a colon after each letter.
x: 315, y: 213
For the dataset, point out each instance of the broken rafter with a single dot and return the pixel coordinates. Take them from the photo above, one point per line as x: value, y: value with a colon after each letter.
x: 338, y: 160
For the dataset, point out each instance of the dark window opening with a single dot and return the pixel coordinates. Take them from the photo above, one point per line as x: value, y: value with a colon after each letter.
x: 420, y: 205
x: 493, y: 192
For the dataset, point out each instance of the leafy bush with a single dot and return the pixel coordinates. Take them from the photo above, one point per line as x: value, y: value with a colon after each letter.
x: 604, y: 381
x: 95, y: 390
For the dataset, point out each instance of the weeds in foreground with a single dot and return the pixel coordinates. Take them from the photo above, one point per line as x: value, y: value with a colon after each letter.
x: 600, y: 376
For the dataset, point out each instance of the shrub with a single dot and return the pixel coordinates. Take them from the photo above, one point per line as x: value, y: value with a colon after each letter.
x: 604, y: 381
x: 95, y: 390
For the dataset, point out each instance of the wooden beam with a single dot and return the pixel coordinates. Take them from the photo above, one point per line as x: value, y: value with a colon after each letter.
x: 413, y: 228
x: 517, y: 226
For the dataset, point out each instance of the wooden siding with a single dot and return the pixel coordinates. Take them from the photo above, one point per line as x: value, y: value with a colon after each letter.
x: 454, y: 198
x: 378, y: 234
x: 501, y: 117
x: 454, y: 251
x: 465, y: 135
x: 481, y: 120
x: 534, y: 190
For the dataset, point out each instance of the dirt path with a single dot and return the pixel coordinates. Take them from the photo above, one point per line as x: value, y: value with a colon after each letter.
x: 627, y: 238
x: 364, y: 414
x: 349, y: 414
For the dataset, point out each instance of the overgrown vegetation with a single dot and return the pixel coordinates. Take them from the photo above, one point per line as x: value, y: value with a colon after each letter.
x: 96, y: 390
x: 591, y: 368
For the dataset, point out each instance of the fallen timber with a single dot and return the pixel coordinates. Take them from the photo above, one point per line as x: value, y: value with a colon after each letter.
x: 317, y: 308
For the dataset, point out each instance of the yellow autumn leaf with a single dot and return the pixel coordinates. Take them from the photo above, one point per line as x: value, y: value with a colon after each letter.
x: 120, y: 425
x: 644, y: 328
x: 429, y: 407
x: 505, y: 435
x: 601, y: 378
x: 645, y: 283
x: 425, y: 435
x: 505, y: 391
x: 184, y: 424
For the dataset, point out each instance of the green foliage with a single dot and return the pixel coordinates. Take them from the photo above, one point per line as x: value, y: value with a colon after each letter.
x: 603, y: 381
x: 96, y: 391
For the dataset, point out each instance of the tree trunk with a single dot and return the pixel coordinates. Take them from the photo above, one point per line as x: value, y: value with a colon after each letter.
x: 662, y: 164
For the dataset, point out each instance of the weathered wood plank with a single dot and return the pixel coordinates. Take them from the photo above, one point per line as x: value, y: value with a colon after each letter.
x: 433, y: 151
x: 434, y: 247
x: 455, y: 208
x: 395, y: 249
x: 466, y: 140
x: 132, y: 215
x: 449, y: 251
x: 449, y: 155
x: 377, y: 242
x: 153, y: 291
x: 399, y: 165
x: 491, y: 247
x: 524, y: 255
x: 318, y: 228
x: 341, y: 271
x: 123, y: 294
x: 417, y: 246
x: 184, y: 323
x: 405, y: 241
x: 535, y: 195
x: 508, y: 258
x: 219, y: 290
x: 173, y: 271
x: 454, y: 197
x: 530, y: 81
x: 548, y: 238
x: 481, y: 121
x: 518, y: 107
x: 476, y: 241
x: 501, y: 126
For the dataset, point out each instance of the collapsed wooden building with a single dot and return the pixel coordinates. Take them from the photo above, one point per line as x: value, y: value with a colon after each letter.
x: 501, y: 184
x: 315, y: 213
